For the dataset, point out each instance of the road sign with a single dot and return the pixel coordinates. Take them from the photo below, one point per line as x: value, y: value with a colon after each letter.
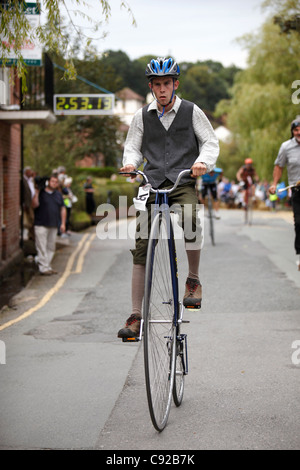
x: 31, y: 50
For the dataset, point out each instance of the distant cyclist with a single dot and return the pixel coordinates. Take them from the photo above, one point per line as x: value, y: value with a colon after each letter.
x: 247, y: 176
x: 170, y: 134
x: 289, y: 156
x: 208, y: 182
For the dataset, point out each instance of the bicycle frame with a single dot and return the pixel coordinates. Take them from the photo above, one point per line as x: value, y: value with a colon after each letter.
x: 165, y: 349
x: 162, y: 205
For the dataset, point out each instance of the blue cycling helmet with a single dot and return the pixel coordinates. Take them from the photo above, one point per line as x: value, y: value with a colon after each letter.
x: 162, y: 67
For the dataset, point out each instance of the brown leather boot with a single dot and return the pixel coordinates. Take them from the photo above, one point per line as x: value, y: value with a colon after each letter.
x: 131, y: 328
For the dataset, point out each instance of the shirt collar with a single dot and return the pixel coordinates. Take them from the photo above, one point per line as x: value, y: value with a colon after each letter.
x: 153, y: 106
x: 295, y: 141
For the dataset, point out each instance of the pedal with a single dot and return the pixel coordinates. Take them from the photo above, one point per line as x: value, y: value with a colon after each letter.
x: 130, y: 340
x: 135, y: 339
x: 193, y: 307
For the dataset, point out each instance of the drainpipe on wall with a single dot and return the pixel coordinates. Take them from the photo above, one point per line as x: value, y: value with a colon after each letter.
x: 21, y: 176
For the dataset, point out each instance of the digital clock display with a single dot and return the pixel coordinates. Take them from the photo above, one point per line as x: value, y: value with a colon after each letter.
x: 84, y: 104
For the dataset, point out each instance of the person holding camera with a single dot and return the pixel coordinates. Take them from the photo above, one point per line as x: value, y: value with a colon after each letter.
x: 49, y: 211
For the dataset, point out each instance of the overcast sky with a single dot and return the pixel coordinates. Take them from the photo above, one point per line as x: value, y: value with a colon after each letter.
x: 188, y: 30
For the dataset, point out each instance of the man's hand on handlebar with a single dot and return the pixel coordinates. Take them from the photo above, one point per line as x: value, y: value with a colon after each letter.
x: 128, y: 169
x: 199, y: 169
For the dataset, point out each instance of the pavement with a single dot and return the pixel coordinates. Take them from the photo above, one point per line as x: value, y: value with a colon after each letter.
x: 62, y: 350
x: 38, y: 285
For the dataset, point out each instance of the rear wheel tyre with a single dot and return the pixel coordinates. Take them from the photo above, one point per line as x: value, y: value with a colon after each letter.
x: 178, y: 388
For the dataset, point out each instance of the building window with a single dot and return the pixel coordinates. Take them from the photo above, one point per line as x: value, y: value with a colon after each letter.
x: 4, y: 87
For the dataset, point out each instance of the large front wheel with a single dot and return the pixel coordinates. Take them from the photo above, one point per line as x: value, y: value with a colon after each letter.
x: 159, y: 329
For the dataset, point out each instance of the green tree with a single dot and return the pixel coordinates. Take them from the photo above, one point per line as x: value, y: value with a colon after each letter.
x: 55, y: 35
x: 206, y: 83
x: 261, y: 108
x: 47, y: 148
x: 90, y: 71
x: 69, y: 140
x: 102, y: 136
x: 130, y: 73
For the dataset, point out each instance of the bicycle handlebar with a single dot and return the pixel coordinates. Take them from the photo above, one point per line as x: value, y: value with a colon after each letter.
x: 139, y: 172
x: 289, y: 187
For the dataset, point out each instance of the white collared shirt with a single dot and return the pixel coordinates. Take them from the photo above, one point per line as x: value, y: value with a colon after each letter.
x: 31, y: 185
x: 208, y: 142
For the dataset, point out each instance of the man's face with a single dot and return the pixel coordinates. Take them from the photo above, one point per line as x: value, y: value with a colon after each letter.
x: 162, y: 88
x: 53, y: 183
x: 296, y: 133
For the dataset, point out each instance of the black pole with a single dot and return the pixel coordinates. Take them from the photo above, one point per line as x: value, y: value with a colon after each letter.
x: 21, y: 177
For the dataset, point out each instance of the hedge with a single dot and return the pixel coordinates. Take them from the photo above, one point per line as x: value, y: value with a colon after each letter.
x: 100, y: 172
x: 105, y: 192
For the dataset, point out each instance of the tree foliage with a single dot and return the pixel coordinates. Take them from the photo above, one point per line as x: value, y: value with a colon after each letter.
x: 261, y: 107
x: 56, y: 34
x: 70, y: 139
x: 257, y: 101
x: 206, y: 83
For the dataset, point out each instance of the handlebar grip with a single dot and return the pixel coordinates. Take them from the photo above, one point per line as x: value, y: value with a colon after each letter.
x: 128, y: 173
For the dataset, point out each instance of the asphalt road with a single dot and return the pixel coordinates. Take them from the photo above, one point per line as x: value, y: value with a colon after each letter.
x: 69, y: 383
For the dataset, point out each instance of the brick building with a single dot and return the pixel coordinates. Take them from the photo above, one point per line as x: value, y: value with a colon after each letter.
x: 10, y: 164
x: 13, y: 116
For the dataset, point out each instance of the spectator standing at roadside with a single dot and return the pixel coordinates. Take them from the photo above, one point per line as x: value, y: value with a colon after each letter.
x: 289, y: 156
x: 89, y: 196
x: 61, y: 174
x: 28, y: 194
x: 49, y: 209
x: 69, y: 198
x: 28, y: 176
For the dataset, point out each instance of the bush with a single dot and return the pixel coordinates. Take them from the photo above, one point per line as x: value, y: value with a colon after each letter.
x: 106, y: 191
x: 112, y: 191
x: 79, y: 220
x: 100, y: 172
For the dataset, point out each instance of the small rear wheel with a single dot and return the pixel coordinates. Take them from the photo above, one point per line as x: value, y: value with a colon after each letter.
x: 178, y: 387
